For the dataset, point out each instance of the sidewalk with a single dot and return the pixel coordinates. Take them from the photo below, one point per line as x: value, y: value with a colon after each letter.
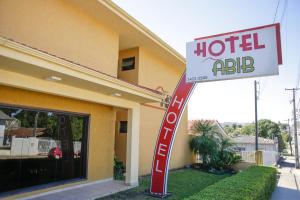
x: 288, y: 187
x: 88, y: 191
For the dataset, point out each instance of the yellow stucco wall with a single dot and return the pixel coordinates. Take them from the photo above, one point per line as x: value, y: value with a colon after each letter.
x: 150, y: 124
x: 154, y: 73
x: 101, y: 129
x: 62, y: 29
x: 65, y: 30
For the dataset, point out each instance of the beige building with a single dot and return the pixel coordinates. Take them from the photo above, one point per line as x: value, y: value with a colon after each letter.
x: 89, y: 74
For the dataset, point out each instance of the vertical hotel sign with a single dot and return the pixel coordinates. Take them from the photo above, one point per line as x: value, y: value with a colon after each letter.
x: 166, y: 137
x: 240, y: 54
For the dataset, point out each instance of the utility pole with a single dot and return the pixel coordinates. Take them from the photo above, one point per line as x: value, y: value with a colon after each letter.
x: 256, y: 125
x: 290, y: 139
x: 258, y: 155
x: 295, y: 127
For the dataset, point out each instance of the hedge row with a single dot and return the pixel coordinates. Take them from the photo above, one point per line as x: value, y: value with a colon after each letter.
x: 255, y: 183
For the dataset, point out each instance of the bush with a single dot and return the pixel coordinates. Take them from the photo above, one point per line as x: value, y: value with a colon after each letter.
x: 255, y: 183
x: 119, y: 170
x: 215, y: 149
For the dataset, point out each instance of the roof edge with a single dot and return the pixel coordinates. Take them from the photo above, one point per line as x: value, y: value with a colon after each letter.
x: 140, y: 27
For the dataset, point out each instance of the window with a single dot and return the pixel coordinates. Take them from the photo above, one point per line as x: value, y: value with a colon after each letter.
x: 123, y: 127
x: 238, y: 149
x: 128, y: 63
x: 40, y: 146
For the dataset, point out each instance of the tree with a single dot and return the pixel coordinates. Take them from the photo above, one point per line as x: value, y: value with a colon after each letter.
x: 226, y: 156
x: 234, y: 126
x: 214, y: 148
x: 205, y: 146
x: 205, y: 141
x: 268, y: 128
x: 290, y: 138
x: 203, y: 127
x: 229, y: 130
x: 248, y: 129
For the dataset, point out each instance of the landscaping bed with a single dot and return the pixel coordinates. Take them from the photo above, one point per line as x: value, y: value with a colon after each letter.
x: 182, y: 183
x: 255, y: 183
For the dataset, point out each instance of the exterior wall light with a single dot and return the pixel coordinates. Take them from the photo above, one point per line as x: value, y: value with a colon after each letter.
x: 53, y: 78
x: 117, y: 94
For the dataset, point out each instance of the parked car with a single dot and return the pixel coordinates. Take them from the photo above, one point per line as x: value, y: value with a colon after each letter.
x: 55, y: 152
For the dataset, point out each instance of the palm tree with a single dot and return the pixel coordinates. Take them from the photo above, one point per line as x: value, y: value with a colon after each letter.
x: 216, y: 149
x: 205, y: 146
x: 205, y: 141
x: 203, y: 127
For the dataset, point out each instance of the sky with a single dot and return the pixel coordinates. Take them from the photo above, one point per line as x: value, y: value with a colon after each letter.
x: 178, y: 22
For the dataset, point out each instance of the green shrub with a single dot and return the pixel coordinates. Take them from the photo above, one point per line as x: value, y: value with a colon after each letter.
x: 119, y: 169
x: 255, y: 183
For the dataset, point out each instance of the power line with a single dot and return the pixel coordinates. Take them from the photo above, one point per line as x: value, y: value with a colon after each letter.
x: 276, y: 11
x: 284, y: 10
x: 298, y: 79
x: 265, y: 82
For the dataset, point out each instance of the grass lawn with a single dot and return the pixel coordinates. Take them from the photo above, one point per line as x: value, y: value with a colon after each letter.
x: 182, y: 183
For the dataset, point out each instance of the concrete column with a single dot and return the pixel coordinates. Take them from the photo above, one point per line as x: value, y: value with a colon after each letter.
x: 132, y: 151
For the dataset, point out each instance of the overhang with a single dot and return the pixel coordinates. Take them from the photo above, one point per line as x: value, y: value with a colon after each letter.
x: 132, y: 33
x: 22, y: 60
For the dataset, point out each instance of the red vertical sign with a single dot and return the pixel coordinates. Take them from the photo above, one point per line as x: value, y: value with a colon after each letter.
x: 166, y: 137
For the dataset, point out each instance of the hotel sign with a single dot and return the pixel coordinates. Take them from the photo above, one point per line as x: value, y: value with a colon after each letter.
x: 240, y: 54
x: 166, y: 137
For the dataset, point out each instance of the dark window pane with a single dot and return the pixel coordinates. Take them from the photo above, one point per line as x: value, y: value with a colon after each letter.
x: 128, y: 63
x: 38, y: 147
x: 123, y: 127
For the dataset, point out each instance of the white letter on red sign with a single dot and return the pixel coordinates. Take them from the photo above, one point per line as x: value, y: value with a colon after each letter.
x: 176, y: 101
x: 167, y: 131
x: 156, y: 168
x: 161, y: 149
x: 168, y: 117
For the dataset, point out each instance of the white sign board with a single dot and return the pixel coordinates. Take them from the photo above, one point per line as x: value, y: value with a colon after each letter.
x: 240, y: 54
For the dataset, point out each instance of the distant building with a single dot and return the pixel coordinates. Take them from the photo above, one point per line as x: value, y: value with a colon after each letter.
x: 247, y: 143
x: 245, y: 146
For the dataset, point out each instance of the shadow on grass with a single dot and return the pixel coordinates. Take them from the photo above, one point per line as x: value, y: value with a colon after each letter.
x: 182, y: 183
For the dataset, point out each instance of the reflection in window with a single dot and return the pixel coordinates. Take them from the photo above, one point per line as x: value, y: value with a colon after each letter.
x: 128, y: 63
x: 39, y: 147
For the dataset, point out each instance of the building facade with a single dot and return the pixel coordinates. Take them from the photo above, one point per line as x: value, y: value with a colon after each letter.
x: 81, y: 83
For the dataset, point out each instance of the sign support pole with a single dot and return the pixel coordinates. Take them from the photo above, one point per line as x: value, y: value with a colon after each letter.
x: 256, y: 124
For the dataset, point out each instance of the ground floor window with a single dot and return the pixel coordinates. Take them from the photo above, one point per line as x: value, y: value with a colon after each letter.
x: 41, y: 146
